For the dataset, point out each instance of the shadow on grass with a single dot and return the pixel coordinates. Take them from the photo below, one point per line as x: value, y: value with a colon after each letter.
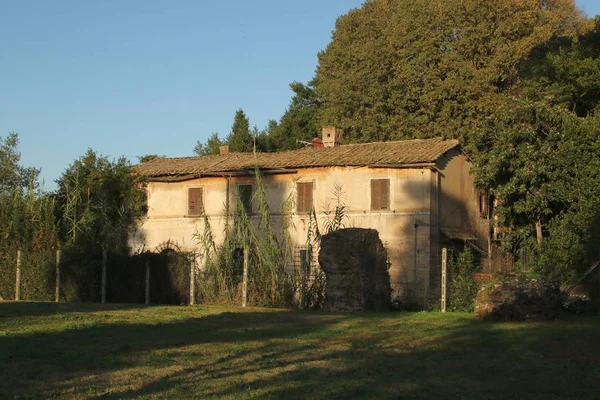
x: 281, y: 354
x: 10, y: 309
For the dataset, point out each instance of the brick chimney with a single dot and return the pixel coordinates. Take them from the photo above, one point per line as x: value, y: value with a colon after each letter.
x: 223, y: 149
x: 332, y: 136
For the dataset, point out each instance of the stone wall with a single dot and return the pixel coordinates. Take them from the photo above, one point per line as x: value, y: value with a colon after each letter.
x: 355, y: 263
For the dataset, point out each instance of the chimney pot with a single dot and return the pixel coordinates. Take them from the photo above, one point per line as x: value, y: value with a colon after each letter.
x: 223, y: 150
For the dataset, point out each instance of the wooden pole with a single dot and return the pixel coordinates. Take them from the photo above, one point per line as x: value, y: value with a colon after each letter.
x: 18, y: 277
x: 193, y: 281
x: 104, y: 256
x: 245, y: 279
x: 303, y: 263
x: 444, y: 277
x: 57, y: 291
x: 147, y: 283
x: 416, y: 250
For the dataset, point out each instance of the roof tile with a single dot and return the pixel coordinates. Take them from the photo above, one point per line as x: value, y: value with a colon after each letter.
x: 364, y: 154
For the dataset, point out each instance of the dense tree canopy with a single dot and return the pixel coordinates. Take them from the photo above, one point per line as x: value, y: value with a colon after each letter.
x: 299, y: 124
x: 99, y: 202
x: 402, y: 69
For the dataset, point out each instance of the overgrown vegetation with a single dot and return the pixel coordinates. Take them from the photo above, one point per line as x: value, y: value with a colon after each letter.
x: 254, y: 238
x: 27, y: 224
x: 463, y: 286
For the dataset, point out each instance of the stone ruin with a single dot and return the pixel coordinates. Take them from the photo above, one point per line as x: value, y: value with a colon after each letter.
x: 355, y: 263
x: 519, y: 298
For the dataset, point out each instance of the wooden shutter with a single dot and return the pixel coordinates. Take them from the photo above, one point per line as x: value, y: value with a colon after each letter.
x: 195, y: 201
x: 380, y: 194
x: 304, y: 203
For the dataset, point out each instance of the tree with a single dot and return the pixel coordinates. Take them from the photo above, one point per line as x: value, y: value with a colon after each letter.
x: 14, y: 176
x: 403, y: 69
x: 543, y: 162
x: 565, y: 72
x: 210, y: 147
x: 300, y: 122
x: 240, y: 139
x: 27, y: 223
x: 147, y: 157
x: 99, y: 203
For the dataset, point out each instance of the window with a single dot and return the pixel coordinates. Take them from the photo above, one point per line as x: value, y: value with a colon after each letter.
x: 245, y: 194
x: 380, y: 194
x: 483, y: 204
x: 304, y: 203
x: 305, y: 262
x: 145, y: 205
x: 195, y: 204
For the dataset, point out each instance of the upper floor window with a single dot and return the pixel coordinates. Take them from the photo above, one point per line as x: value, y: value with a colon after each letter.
x: 245, y: 194
x: 484, y: 203
x: 195, y: 202
x: 304, y: 202
x: 380, y: 194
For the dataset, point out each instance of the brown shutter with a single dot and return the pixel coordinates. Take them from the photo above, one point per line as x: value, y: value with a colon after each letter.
x: 195, y: 201
x: 385, y: 194
x: 308, y: 197
x: 300, y: 202
x: 304, y: 203
x: 374, y: 195
x: 380, y: 194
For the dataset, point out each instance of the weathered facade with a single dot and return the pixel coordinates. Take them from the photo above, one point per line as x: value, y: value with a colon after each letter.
x: 417, y: 194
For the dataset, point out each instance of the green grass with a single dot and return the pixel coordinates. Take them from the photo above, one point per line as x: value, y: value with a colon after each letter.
x: 123, y: 351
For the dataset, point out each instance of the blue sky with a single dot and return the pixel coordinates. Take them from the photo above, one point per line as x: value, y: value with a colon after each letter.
x: 141, y: 77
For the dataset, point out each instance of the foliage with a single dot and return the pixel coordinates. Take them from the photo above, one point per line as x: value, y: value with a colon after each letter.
x: 99, y: 202
x: 240, y: 138
x: 404, y: 69
x: 565, y: 72
x: 334, y: 217
x: 299, y: 124
x: 147, y: 157
x: 14, y: 176
x: 210, y: 147
x: 27, y: 224
x: 463, y: 286
x: 544, y: 163
x: 268, y: 254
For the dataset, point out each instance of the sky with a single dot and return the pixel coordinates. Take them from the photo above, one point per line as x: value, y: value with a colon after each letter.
x: 135, y: 77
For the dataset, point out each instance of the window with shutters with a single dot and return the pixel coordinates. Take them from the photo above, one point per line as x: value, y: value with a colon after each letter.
x: 380, y: 194
x: 304, y: 202
x: 245, y: 194
x: 195, y: 202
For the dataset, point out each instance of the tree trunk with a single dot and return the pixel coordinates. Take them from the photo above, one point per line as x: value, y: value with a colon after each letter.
x: 538, y: 230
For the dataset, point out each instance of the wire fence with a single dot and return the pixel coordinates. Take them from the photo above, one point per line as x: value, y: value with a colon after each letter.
x: 72, y: 275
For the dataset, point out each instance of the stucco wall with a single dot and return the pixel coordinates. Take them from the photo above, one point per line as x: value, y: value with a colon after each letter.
x: 410, y: 196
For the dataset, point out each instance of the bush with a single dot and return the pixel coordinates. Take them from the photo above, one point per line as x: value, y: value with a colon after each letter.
x: 463, y: 287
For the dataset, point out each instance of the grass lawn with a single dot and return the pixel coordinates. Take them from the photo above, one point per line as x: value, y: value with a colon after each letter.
x: 122, y: 351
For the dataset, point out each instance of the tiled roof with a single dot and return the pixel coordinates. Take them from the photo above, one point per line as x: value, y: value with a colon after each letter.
x: 415, y: 151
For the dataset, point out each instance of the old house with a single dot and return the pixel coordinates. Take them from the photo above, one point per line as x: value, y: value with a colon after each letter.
x: 418, y: 194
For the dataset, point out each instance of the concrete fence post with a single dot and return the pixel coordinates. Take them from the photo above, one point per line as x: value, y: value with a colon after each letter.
x: 103, y: 292
x: 57, y: 288
x: 245, y: 279
x: 444, y: 278
x: 147, y: 292
x: 18, y: 277
x: 193, y: 281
